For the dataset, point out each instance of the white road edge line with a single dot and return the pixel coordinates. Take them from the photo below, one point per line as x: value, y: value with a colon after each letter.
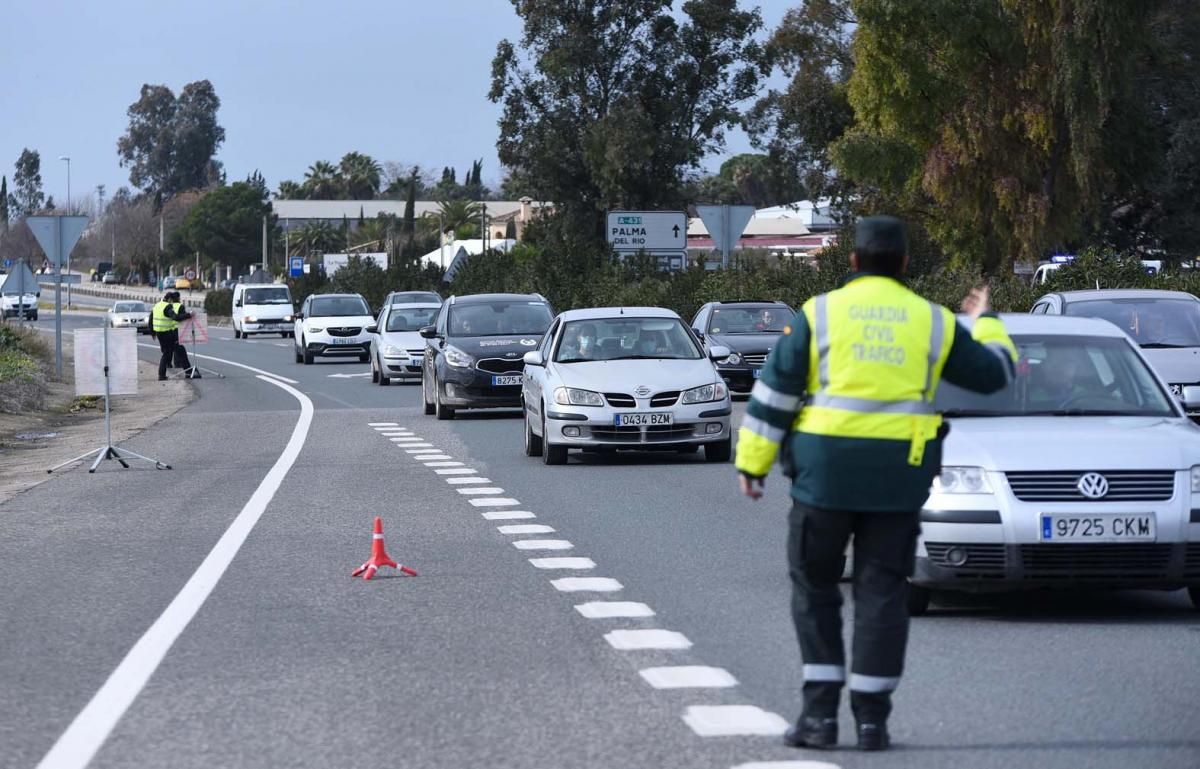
x: 89, y: 730
x: 231, y: 363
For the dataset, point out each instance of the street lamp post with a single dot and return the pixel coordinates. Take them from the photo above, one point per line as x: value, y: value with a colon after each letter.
x: 68, y: 159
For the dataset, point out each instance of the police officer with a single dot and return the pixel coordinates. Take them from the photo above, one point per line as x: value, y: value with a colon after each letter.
x: 850, y: 388
x: 165, y: 318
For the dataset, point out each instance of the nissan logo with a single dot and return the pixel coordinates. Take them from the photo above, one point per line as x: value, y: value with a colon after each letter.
x: 1093, y: 485
x: 642, y: 390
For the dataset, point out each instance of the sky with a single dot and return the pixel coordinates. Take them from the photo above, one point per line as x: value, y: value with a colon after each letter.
x: 299, y: 81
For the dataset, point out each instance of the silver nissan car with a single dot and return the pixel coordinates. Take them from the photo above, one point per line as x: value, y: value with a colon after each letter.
x: 623, y: 378
x: 1084, y: 473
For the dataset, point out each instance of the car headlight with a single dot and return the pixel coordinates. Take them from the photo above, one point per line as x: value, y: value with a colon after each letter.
x: 457, y: 358
x: 569, y: 396
x: 252, y: 319
x: 705, y: 393
x: 1195, y: 479
x: 962, y: 480
x: 392, y: 351
x: 732, y: 360
x: 315, y: 329
x: 287, y: 318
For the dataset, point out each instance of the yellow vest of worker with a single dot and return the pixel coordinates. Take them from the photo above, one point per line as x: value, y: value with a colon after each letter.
x: 159, y: 320
x: 876, y: 356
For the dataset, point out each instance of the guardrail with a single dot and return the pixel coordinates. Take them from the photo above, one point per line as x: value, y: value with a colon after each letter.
x: 137, y: 294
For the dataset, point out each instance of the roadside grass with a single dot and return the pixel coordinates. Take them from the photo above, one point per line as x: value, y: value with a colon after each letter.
x: 25, y: 359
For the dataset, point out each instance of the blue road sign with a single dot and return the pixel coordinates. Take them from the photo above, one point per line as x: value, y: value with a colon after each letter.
x: 8, y: 262
x: 296, y: 266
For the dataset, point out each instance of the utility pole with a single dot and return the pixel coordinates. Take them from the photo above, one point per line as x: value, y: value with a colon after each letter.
x: 264, y: 243
x: 68, y: 159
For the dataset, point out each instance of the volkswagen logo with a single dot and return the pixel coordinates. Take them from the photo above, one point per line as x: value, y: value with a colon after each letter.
x: 641, y: 390
x: 1093, y: 485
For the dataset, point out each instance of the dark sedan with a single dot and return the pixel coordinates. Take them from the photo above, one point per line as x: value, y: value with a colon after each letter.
x: 750, y: 330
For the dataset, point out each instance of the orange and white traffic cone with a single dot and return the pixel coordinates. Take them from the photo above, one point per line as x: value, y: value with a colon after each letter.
x: 379, y: 556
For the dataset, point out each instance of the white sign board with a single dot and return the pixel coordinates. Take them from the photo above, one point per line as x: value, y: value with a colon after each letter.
x: 647, y: 230
x: 335, y: 262
x: 122, y: 361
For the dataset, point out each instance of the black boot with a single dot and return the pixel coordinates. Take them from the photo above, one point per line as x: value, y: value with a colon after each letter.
x: 873, y: 737
x: 809, y: 732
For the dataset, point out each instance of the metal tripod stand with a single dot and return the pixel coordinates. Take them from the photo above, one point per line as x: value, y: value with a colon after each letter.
x: 194, y: 371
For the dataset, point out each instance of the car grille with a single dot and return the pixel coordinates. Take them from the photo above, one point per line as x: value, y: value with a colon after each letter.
x: 1095, y: 562
x: 982, y: 560
x: 755, y: 358
x: 652, y: 434
x: 419, y: 353
x: 1191, y: 560
x: 1123, y: 486
x: 665, y: 399
x: 500, y: 365
x: 620, y: 400
x: 341, y: 330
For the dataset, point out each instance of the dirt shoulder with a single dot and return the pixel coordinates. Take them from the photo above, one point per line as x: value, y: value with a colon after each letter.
x: 31, y: 443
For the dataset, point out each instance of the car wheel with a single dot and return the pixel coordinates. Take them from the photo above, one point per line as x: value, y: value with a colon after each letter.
x: 1194, y: 594
x: 425, y: 402
x: 918, y: 600
x: 236, y: 334
x: 364, y: 358
x: 374, y: 373
x: 283, y: 335
x: 440, y: 410
x: 533, y: 443
x: 35, y: 316
x: 551, y: 454
x: 719, y: 451
x: 299, y: 355
x: 308, y: 356
x: 384, y: 379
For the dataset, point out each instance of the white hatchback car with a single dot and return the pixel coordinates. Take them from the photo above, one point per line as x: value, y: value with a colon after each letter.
x: 623, y: 378
x: 333, y: 325
x: 397, y: 347
x: 1084, y: 473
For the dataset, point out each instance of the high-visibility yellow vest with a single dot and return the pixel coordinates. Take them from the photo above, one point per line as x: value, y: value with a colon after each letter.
x: 159, y: 320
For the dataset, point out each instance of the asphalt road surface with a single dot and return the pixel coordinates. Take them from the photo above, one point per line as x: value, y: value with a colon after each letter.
x: 637, y: 616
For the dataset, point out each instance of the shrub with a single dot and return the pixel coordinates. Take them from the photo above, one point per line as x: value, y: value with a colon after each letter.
x: 23, y: 360
x: 219, y: 302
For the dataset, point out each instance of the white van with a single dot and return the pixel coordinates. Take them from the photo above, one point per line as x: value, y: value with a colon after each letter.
x: 262, y: 308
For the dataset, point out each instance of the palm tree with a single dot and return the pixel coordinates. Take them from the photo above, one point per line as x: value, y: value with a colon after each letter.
x: 321, y: 181
x: 318, y: 237
x: 361, y: 176
x: 457, y: 213
x: 289, y: 190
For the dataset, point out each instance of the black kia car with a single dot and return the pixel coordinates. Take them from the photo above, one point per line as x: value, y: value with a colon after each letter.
x: 750, y: 329
x: 474, y: 358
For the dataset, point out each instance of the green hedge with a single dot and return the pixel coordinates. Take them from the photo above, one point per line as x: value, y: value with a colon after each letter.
x: 219, y: 302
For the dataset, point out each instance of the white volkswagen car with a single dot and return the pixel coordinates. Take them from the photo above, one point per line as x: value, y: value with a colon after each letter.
x: 333, y: 325
x: 1084, y: 473
x: 397, y: 348
x: 632, y: 378
x: 130, y: 314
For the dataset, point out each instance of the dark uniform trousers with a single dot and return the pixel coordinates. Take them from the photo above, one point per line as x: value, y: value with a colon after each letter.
x: 173, y: 354
x: 884, y: 550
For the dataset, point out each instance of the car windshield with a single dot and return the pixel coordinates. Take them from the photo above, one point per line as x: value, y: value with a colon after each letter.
x: 750, y: 319
x: 338, y: 306
x: 626, y: 339
x: 415, y: 297
x: 500, y: 318
x: 272, y: 295
x: 1151, y: 322
x: 1067, y: 376
x: 129, y: 307
x: 410, y: 318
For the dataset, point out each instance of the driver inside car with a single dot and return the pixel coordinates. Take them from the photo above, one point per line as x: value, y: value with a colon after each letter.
x: 1058, y: 380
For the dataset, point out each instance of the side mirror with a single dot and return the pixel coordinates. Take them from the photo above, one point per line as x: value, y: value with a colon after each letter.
x: 428, y: 332
x: 699, y: 334
x: 717, y: 352
x: 534, y: 358
x: 1191, y: 398
x: 373, y: 329
x: 298, y: 316
x: 238, y: 303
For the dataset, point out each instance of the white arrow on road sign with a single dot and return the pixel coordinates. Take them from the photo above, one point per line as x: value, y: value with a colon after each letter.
x: 57, y: 241
x: 349, y: 376
x: 725, y: 225
x: 632, y: 231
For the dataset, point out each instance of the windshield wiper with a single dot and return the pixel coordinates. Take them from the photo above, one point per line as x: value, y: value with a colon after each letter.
x: 1083, y: 413
x: 976, y: 413
x: 1165, y: 346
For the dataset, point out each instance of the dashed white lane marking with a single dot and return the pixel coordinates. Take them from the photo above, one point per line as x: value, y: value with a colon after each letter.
x: 628, y: 640
x: 688, y: 677
x: 586, y: 584
x: 525, y: 528
x: 542, y: 544
x: 383, y: 424
x: 733, y: 720
x: 415, y: 446
x: 610, y: 609
x: 396, y: 434
x: 481, y: 490
x: 433, y: 457
x: 493, y: 502
x: 404, y: 440
x: 508, y: 515
x: 788, y: 765
x: 457, y: 481
x: 562, y: 563
x: 456, y: 471
x: 445, y: 464
x: 422, y: 451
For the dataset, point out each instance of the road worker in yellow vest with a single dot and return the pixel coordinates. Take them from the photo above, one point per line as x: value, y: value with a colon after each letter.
x: 850, y: 391
x: 165, y: 318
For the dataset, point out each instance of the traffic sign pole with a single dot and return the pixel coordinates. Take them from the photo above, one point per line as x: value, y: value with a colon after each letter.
x: 58, y: 299
x: 57, y: 235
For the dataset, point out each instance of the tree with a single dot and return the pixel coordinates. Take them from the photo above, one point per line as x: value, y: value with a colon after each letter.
x: 27, y: 196
x: 4, y: 205
x: 317, y: 237
x: 226, y: 224
x: 360, y: 176
x: 289, y: 190
x: 607, y: 103
x: 171, y: 142
x: 321, y: 181
x: 410, y: 214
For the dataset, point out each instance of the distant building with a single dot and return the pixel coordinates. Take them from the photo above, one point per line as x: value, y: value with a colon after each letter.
x: 798, y: 228
x: 455, y: 253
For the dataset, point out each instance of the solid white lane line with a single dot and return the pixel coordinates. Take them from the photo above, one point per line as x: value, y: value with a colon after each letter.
x: 493, y: 502
x: 456, y: 471
x: 586, y: 584
x: 610, y: 609
x: 422, y: 451
x: 733, y: 720
x: 542, y: 544
x: 230, y: 363
x: 788, y: 765
x: 481, y: 490
x: 562, y: 563
x: 688, y: 677
x: 525, y: 528
x: 79, y: 743
x: 627, y: 640
x: 508, y: 515
x: 445, y: 464
x: 457, y: 481
x: 382, y: 424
